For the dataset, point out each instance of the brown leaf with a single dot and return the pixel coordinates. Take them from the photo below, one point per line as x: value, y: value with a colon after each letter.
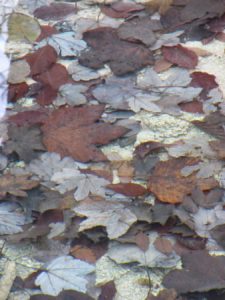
x: 193, y: 106
x: 170, y: 186
x: 142, y: 241
x: 106, y: 47
x: 30, y: 117
x: 46, y: 31
x: 219, y: 147
x: 139, y: 29
x: 163, y: 245
x: 17, y: 91
x: 83, y: 253
x: 201, y: 272
x: 128, y: 189
x: 120, y: 9
x: 160, y: 5
x: 76, y: 132
x: 203, y: 80
x: 181, y: 56
x: 108, y: 291
x: 41, y: 60
x: 54, y: 11
x: 16, y: 185
x: 213, y: 124
x: 54, y: 77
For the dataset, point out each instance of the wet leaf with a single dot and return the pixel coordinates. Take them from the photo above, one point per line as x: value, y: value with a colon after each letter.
x: 25, y: 141
x: 168, y: 184
x: 64, y: 273
x: 16, y: 185
x: 54, y: 11
x: 201, y: 272
x: 106, y: 47
x: 113, y: 215
x: 181, y: 56
x: 74, y: 132
x: 23, y: 28
x: 65, y: 44
x: 12, y: 218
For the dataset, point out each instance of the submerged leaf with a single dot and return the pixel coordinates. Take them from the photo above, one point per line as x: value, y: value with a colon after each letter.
x: 64, y: 273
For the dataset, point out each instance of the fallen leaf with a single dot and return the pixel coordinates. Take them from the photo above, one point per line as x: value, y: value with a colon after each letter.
x: 83, y: 253
x: 168, y: 184
x: 25, y: 141
x: 113, y: 215
x: 72, y: 94
x: 70, y: 179
x: 75, y: 132
x: 181, y: 56
x: 12, y: 218
x: 30, y: 117
x: 139, y: 29
x: 18, y: 72
x: 121, y: 9
x: 123, y: 57
x: 41, y: 60
x: 203, y: 80
x: 17, y: 91
x: 64, y: 273
x: 54, y: 77
x: 201, y: 272
x: 23, y: 28
x: 54, y: 11
x: 108, y: 291
x: 128, y: 189
x: 213, y: 124
x: 16, y: 185
x: 65, y: 44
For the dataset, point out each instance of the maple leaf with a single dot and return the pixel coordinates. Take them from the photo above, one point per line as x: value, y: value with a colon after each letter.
x: 11, y: 218
x: 64, y: 273
x: 25, y: 141
x: 16, y: 185
x: 168, y: 184
x: 75, y: 132
x: 113, y: 215
x: 69, y: 179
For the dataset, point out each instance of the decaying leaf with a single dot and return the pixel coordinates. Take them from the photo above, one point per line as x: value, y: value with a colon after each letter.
x: 113, y: 215
x: 201, y: 272
x: 18, y: 72
x: 168, y: 184
x: 106, y: 47
x: 12, y: 218
x: 16, y: 185
x: 25, y: 141
x: 54, y: 11
x: 64, y: 273
x: 23, y: 28
x: 180, y: 56
x: 75, y: 132
x: 70, y: 179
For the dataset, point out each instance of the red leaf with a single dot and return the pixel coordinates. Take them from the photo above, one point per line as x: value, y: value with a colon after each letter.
x: 74, y: 132
x: 203, y: 80
x: 17, y: 91
x: 41, y: 60
x: 46, y: 31
x: 54, y: 11
x: 108, y: 291
x: 31, y: 117
x: 120, y: 9
x: 128, y: 189
x: 46, y: 95
x: 180, y: 56
x: 193, y: 106
x: 53, y: 77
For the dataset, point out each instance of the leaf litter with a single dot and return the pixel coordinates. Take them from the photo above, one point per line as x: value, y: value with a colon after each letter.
x: 112, y: 154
